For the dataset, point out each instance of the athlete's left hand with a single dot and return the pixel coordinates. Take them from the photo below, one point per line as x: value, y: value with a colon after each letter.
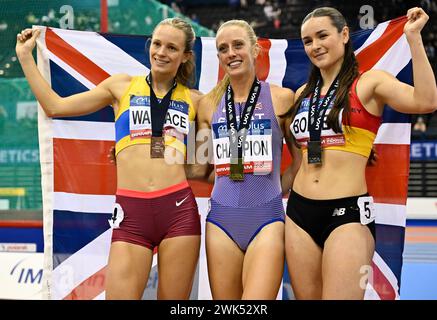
x: 417, y: 19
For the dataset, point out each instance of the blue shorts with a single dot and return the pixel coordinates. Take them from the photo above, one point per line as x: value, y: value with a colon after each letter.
x: 242, y: 224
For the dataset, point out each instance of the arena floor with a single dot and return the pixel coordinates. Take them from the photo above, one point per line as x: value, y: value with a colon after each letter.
x: 419, y: 272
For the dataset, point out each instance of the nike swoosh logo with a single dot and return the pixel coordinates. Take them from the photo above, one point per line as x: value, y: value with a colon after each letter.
x: 178, y: 203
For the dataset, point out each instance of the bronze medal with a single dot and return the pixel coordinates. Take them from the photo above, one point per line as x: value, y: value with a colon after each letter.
x: 157, y: 147
x: 158, y: 112
x: 316, y: 115
x: 314, y: 152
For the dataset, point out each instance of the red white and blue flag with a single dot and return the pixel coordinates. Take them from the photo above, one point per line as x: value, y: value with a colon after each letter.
x: 79, y: 182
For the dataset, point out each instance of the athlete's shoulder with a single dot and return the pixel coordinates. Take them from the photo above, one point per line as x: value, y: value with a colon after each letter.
x: 205, y: 108
x: 369, y: 81
x: 374, y: 73
x: 116, y: 80
x: 117, y: 84
x: 375, y: 77
x: 121, y: 77
x: 281, y: 91
x: 282, y: 98
x: 300, y: 90
x: 196, y: 95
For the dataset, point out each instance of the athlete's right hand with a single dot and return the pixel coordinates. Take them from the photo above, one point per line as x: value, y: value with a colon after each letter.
x: 26, y: 41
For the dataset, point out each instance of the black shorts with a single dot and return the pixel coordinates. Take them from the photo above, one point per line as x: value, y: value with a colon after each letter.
x: 320, y: 217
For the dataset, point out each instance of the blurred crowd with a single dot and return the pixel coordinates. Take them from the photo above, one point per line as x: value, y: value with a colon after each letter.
x: 270, y: 19
x: 282, y: 18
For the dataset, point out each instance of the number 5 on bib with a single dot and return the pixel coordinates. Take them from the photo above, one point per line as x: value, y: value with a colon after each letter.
x: 367, y: 210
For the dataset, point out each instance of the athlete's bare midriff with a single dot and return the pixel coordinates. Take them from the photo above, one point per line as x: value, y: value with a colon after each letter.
x: 342, y: 174
x: 137, y: 171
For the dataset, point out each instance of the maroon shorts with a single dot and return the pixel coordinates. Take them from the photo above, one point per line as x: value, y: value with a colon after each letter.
x: 147, y: 218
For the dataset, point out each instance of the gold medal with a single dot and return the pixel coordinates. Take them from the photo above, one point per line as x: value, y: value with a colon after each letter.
x: 237, y: 133
x: 237, y: 171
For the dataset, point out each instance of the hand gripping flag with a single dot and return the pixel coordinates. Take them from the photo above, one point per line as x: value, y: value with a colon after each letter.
x: 79, y: 182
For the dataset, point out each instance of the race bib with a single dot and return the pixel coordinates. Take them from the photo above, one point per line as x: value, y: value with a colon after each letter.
x: 140, y: 117
x: 257, y: 148
x: 300, y: 128
x: 367, y: 210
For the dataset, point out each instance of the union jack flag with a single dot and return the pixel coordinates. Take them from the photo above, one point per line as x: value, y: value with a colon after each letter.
x: 79, y: 182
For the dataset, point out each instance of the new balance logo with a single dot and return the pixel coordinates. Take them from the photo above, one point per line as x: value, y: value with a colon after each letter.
x: 178, y: 203
x: 339, y: 212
